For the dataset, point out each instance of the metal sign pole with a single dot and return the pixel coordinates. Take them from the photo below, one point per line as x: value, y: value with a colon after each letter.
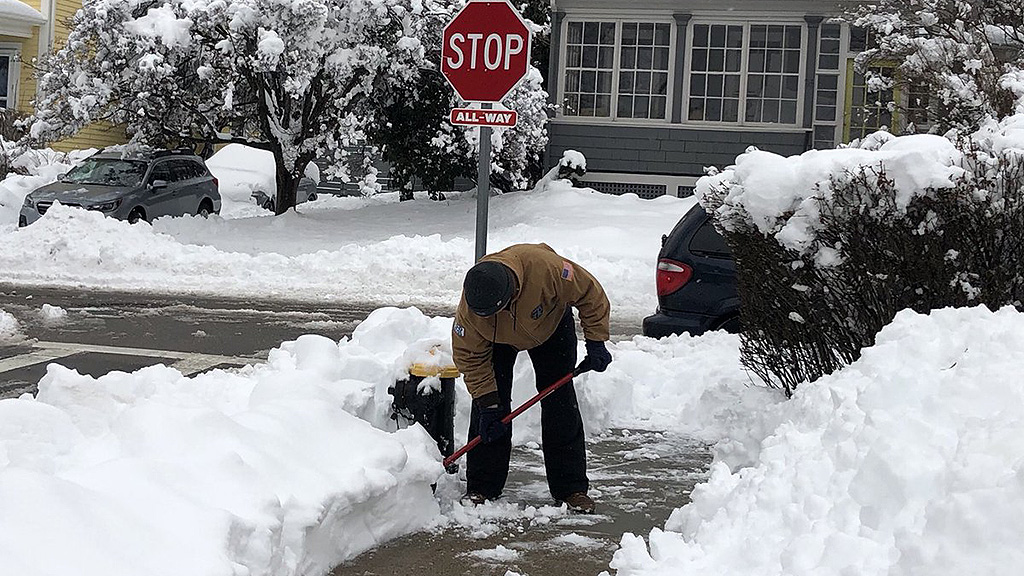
x: 483, y: 188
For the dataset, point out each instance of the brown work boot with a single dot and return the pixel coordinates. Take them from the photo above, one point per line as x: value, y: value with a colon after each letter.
x: 472, y: 499
x: 579, y: 503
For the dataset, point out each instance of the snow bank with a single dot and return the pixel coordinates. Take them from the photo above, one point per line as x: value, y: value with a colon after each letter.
x: 372, y: 250
x: 266, y: 471
x: 909, y: 461
x: 43, y: 167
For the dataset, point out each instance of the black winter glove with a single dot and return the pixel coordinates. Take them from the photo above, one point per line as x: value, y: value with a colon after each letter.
x: 598, y: 358
x: 489, y: 424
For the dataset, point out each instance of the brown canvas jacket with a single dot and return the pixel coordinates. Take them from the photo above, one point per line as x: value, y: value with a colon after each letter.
x: 547, y: 285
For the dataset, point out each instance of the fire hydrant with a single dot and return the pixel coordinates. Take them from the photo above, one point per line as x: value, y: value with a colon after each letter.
x: 427, y: 397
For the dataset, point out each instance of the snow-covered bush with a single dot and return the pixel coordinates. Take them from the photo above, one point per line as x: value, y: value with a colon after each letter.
x: 830, y: 245
x: 966, y: 54
x: 297, y: 78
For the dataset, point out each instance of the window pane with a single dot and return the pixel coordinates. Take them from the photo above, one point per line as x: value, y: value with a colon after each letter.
x: 645, y: 37
x: 625, y: 106
x: 773, y: 61
x: 718, y: 36
x: 775, y: 34
x: 606, y: 57
x: 753, y: 110
x: 643, y: 83
x: 697, y: 84
x: 756, y: 61
x: 591, y: 32
x: 700, y: 35
x: 787, y: 113
x: 700, y: 60
x: 587, y: 102
x: 588, y: 81
x: 793, y: 36
x: 608, y: 33
x: 758, y: 36
x: 830, y: 30
x: 713, y: 111
x: 641, y: 107
x: 732, y: 60
x: 716, y: 60
x: 732, y: 86
x: 626, y: 81
x: 572, y: 80
x: 790, y: 87
x: 575, y: 35
x: 574, y: 56
x: 628, y: 58
x: 662, y: 34
x: 696, y: 109
x: 659, y: 83
x: 735, y: 37
x: 826, y: 113
x: 770, y: 111
x: 658, y: 106
x: 828, y: 62
x: 604, y: 106
x: 715, y: 85
x: 661, y: 58
x: 644, y: 58
x: 590, y: 56
x: 629, y: 33
x: 604, y: 82
x: 755, y: 86
x: 730, y: 110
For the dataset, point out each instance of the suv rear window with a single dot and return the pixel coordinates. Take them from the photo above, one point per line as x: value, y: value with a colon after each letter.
x: 707, y: 241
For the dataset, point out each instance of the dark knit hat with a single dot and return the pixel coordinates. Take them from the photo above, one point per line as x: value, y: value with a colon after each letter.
x: 488, y: 287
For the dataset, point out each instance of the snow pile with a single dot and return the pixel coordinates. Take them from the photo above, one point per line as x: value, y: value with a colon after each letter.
x: 909, y: 461
x: 10, y: 329
x: 241, y: 170
x: 52, y: 314
x: 353, y: 249
x: 781, y: 196
x: 265, y: 471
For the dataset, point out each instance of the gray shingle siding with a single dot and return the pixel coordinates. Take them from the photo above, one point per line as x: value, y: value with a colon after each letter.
x: 669, y: 151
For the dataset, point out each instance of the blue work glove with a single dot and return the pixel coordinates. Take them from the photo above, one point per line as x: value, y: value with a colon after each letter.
x: 489, y: 424
x: 597, y: 359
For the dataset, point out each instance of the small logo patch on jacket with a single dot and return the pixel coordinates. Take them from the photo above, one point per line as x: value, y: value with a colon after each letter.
x: 537, y: 312
x: 460, y: 330
x: 566, y: 271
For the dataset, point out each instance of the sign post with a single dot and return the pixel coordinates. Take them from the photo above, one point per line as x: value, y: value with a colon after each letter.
x: 485, y: 53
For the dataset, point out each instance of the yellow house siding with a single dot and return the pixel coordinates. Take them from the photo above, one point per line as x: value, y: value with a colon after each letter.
x: 65, y: 10
x: 98, y: 135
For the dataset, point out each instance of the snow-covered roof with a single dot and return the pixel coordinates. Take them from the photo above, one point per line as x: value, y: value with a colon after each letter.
x: 20, y: 11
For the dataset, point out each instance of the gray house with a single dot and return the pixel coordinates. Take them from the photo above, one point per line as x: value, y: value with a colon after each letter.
x: 652, y: 91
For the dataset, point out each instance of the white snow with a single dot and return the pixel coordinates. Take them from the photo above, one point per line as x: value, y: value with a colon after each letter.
x: 52, y: 314
x: 908, y: 462
x: 780, y: 195
x: 241, y: 170
x: 364, y: 249
x: 497, y: 554
x: 10, y: 328
x: 17, y: 10
x: 164, y: 24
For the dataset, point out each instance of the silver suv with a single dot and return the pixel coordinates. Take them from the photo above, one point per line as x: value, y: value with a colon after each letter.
x: 135, y: 187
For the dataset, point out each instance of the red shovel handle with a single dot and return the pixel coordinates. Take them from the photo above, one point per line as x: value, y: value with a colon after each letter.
x: 508, y: 419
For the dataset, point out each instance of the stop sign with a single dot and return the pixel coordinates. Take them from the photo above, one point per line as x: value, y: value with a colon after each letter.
x: 485, y: 51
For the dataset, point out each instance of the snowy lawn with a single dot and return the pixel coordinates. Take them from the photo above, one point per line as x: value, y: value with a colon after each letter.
x: 373, y: 249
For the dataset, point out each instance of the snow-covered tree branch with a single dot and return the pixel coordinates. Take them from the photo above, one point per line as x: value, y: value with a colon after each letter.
x: 968, y: 53
x: 296, y: 78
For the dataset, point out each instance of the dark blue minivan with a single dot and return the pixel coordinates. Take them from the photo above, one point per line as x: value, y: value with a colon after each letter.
x: 696, y: 281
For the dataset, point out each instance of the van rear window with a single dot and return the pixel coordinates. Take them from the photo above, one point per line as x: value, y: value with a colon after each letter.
x: 707, y: 241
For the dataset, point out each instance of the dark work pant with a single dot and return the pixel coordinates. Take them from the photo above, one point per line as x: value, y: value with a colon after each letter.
x: 565, y: 457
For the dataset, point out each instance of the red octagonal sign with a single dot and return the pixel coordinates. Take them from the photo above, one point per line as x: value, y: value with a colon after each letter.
x: 485, y: 51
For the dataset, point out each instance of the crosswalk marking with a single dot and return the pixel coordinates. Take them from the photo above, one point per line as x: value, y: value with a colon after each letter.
x: 186, y: 362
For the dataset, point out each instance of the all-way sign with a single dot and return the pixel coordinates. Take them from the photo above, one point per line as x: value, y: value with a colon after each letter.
x: 478, y: 117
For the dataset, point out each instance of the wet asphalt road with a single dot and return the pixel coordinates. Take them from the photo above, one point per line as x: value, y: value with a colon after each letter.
x: 638, y: 477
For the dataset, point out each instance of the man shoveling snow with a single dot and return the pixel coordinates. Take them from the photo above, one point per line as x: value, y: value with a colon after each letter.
x: 521, y: 299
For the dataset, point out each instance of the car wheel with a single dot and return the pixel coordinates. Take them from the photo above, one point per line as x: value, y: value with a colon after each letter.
x: 269, y: 205
x: 732, y: 325
x: 205, y: 209
x: 136, y: 216
x: 312, y: 197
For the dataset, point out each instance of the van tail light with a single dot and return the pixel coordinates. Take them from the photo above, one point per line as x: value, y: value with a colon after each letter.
x: 216, y: 183
x: 672, y: 276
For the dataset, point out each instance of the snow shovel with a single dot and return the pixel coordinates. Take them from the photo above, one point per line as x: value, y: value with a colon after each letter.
x: 508, y: 419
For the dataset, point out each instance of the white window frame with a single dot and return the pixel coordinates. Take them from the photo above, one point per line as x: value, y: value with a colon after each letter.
x: 673, y: 53
x: 744, y: 71
x: 844, y: 52
x: 13, y: 51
